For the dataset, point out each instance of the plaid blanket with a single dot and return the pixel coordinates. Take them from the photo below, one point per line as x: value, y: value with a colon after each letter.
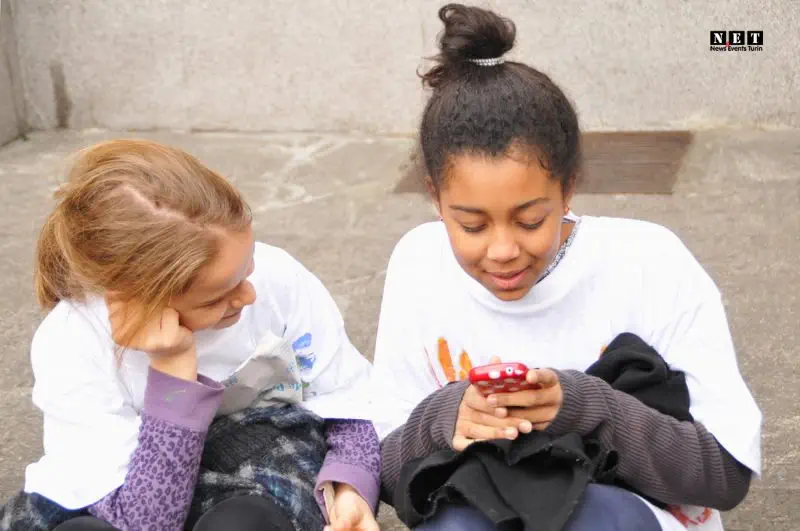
x: 272, y: 451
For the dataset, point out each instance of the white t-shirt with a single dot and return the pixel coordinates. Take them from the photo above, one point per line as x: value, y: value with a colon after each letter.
x: 617, y: 276
x: 91, y: 404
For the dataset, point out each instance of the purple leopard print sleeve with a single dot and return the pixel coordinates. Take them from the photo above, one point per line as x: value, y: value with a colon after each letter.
x: 163, y: 469
x: 354, y: 458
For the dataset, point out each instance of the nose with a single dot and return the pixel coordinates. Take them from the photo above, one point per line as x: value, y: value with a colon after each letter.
x: 245, y: 296
x: 502, y: 247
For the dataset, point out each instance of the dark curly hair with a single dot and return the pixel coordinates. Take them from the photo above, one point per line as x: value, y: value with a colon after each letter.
x: 492, y: 110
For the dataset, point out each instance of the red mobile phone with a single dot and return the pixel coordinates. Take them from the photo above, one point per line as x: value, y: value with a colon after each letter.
x: 500, y: 378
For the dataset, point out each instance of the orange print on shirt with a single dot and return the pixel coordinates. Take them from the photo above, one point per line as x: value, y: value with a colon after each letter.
x: 698, y: 516
x: 465, y: 365
x: 446, y: 362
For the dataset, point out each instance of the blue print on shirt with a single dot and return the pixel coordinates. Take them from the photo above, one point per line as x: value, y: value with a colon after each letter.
x: 305, y: 360
x: 302, y: 342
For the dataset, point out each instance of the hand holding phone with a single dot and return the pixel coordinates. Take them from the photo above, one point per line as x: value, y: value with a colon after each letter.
x: 501, y: 378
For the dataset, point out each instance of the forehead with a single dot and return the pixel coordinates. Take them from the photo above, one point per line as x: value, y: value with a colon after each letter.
x: 229, y: 267
x: 479, y: 180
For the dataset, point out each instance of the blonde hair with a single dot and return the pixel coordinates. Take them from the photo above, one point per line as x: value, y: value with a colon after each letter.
x: 135, y: 218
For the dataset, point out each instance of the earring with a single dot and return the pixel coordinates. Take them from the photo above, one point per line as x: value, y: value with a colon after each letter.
x: 566, y: 209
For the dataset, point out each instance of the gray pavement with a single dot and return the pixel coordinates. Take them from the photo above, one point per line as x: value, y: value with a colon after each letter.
x: 329, y: 201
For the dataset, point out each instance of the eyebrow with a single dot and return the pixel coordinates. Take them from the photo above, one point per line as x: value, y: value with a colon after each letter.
x: 518, y: 208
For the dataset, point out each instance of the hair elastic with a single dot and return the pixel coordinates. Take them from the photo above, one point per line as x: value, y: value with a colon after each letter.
x: 492, y: 61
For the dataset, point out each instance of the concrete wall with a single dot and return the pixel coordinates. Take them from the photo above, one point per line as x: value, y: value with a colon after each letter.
x: 10, y: 91
x: 338, y: 65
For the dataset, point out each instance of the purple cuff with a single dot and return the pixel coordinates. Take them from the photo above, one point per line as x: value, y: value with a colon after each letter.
x: 180, y: 402
x: 357, y: 477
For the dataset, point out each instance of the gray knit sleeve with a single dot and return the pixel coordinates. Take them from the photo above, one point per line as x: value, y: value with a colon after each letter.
x: 671, y: 461
x: 429, y: 428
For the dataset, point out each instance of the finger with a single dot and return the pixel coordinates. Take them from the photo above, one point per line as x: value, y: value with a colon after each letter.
x: 169, y: 322
x: 487, y: 419
x: 343, y: 525
x: 460, y: 442
x: 474, y: 431
x: 495, y: 359
x: 543, y: 377
x: 475, y: 400
x: 536, y: 415
x: 347, y: 519
x: 528, y: 398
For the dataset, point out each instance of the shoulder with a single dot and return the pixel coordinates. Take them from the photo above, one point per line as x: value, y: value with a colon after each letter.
x: 646, y: 250
x: 74, y: 359
x: 269, y: 258
x: 416, y: 261
x: 281, y: 278
x: 634, y: 236
x: 274, y: 268
x: 71, y: 331
x: 420, y: 249
x: 633, y: 239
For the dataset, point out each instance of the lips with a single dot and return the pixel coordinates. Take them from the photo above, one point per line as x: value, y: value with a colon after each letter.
x: 509, y: 280
x: 510, y: 274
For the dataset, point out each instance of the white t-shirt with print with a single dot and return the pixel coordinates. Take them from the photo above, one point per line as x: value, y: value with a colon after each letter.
x: 617, y: 276
x: 91, y: 403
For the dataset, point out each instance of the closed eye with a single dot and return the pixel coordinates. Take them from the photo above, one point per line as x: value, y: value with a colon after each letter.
x: 473, y: 229
x: 531, y: 226
x: 212, y: 303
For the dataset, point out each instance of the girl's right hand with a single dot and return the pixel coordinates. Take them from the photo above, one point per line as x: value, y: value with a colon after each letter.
x: 478, y: 421
x: 169, y: 345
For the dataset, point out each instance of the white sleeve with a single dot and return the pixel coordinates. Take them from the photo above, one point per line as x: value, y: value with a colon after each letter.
x: 90, y: 430
x: 695, y: 338
x: 400, y: 377
x: 334, y: 373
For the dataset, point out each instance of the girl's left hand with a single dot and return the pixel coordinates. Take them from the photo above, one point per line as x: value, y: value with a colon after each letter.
x: 350, y: 511
x: 539, y: 406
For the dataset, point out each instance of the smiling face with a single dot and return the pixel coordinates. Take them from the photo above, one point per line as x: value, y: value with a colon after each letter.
x: 221, y: 290
x: 504, y: 220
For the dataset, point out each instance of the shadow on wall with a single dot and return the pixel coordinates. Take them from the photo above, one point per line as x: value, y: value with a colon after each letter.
x: 60, y: 95
x: 615, y: 163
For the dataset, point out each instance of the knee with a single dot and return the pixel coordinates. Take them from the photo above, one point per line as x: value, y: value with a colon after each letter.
x: 245, y: 513
x: 606, y: 508
x: 457, y: 518
x: 85, y: 523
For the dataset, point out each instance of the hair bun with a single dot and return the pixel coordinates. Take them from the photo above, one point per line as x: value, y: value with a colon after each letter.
x: 474, y: 33
x: 470, y: 33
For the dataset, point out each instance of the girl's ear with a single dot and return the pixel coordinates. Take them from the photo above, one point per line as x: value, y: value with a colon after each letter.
x: 569, y: 193
x: 430, y: 187
x: 433, y: 195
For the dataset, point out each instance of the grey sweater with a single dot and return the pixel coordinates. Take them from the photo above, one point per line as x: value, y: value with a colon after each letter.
x: 671, y: 461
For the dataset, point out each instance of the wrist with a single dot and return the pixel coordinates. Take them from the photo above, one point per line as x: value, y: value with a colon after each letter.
x: 341, y: 488
x: 183, y: 365
x: 570, y: 416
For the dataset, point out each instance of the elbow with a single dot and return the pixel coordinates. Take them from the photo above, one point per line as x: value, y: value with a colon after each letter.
x: 728, y: 489
x: 736, y: 491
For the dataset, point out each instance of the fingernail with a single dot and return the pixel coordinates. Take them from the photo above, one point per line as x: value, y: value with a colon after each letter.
x: 511, y: 433
x: 500, y: 412
x: 492, y: 400
x: 526, y: 427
